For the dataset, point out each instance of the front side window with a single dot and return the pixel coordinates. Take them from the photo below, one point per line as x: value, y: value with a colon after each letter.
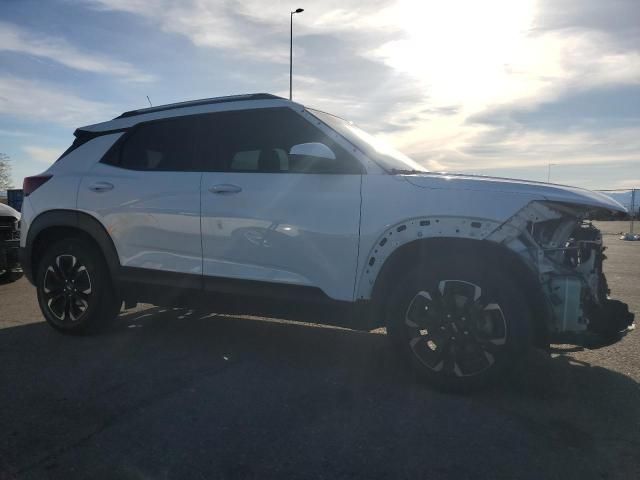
x: 256, y: 160
x: 260, y: 141
x: 379, y: 151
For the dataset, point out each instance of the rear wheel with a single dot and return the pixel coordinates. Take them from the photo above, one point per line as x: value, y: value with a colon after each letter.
x: 74, y: 287
x: 458, y: 322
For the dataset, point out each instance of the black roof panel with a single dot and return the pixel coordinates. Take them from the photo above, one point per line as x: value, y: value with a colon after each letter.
x: 206, y: 101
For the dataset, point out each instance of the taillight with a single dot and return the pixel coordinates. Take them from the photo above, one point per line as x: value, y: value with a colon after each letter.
x: 31, y: 184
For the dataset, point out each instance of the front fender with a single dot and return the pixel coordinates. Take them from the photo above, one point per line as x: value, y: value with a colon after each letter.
x: 418, y: 228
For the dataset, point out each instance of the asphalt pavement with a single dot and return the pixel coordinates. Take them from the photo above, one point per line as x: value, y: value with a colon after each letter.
x: 181, y: 394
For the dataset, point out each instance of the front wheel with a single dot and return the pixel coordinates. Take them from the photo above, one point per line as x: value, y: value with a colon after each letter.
x: 459, y: 323
x: 74, y: 287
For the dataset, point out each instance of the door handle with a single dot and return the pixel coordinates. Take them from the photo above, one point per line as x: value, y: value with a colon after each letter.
x: 101, y: 186
x: 225, y: 188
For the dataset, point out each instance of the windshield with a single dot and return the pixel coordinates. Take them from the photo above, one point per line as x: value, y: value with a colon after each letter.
x: 378, y: 150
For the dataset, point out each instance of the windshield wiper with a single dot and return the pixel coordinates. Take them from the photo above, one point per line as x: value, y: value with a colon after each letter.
x: 402, y: 171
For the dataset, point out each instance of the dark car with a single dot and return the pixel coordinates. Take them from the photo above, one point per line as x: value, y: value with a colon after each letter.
x: 9, y: 244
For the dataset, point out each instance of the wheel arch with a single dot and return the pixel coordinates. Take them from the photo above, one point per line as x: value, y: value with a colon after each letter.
x: 424, y: 250
x: 54, y: 224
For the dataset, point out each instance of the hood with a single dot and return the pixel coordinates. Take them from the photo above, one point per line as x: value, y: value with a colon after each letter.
x: 7, y: 211
x: 545, y: 191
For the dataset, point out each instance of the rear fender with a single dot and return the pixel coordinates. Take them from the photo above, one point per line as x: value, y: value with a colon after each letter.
x: 74, y: 220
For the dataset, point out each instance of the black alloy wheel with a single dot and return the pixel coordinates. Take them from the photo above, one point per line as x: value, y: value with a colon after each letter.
x: 75, y: 289
x: 454, y: 329
x: 67, y: 288
x: 459, y: 321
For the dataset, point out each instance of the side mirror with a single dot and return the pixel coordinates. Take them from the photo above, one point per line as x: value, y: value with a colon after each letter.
x: 313, y: 149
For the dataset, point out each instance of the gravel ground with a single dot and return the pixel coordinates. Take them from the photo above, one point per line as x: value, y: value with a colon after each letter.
x: 174, y: 394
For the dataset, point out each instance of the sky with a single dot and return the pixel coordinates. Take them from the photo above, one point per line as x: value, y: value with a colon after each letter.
x: 492, y: 87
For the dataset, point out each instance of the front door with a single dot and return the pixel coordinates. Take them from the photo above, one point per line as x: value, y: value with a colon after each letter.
x: 274, y: 217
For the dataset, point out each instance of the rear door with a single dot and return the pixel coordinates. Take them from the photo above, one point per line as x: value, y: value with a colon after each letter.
x: 272, y: 217
x: 146, y: 193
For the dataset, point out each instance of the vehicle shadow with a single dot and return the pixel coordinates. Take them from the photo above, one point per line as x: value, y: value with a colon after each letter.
x: 178, y: 393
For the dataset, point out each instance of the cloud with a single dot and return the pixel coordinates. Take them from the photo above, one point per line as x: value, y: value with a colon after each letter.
x: 252, y: 28
x: 628, y: 183
x: 477, y: 148
x: 46, y: 155
x: 619, y: 16
x: 605, y: 107
x: 524, y: 148
x: 482, y: 61
x: 459, y: 85
x: 16, y: 39
x: 227, y: 26
x: 333, y: 68
x: 42, y: 102
x: 499, y: 71
x: 14, y: 133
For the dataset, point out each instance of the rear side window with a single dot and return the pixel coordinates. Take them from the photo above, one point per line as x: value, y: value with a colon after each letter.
x: 167, y: 145
x: 82, y: 137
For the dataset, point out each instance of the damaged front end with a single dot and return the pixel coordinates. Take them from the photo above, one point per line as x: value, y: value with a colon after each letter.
x: 9, y: 244
x: 567, y: 254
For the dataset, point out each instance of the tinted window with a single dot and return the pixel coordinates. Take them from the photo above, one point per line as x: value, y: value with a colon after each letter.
x: 251, y: 160
x: 260, y: 141
x: 167, y: 145
x: 82, y: 137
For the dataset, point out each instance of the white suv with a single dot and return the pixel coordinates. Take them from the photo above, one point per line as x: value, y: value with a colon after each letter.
x: 255, y: 204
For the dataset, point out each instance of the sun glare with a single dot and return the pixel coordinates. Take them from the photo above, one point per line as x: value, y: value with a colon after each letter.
x: 460, y: 49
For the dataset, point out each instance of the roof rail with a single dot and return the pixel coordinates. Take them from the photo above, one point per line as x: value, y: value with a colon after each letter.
x: 206, y: 101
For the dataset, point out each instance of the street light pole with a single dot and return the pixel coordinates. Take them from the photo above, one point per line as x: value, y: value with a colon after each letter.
x: 297, y: 10
x: 633, y: 208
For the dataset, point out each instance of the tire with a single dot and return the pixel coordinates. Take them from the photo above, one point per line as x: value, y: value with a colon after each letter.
x: 75, y: 291
x: 459, y: 322
x: 8, y: 276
